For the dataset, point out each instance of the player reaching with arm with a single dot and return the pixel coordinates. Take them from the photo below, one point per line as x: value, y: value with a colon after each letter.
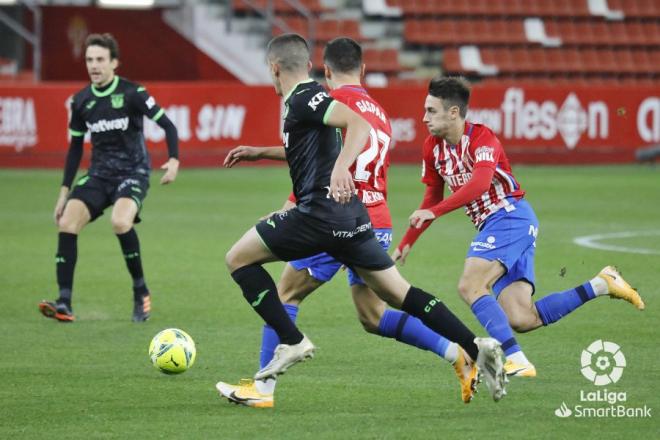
x: 470, y: 160
x: 343, y: 72
x: 319, y: 170
x: 112, y: 109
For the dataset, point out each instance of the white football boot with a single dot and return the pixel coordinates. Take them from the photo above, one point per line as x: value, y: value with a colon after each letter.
x: 285, y: 356
x: 491, y: 366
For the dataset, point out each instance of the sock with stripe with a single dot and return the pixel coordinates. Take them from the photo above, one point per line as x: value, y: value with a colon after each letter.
x: 555, y: 306
x: 410, y: 330
x: 494, y: 320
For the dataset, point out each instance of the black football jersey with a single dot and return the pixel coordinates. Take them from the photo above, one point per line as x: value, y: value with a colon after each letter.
x: 311, y: 151
x: 114, y: 117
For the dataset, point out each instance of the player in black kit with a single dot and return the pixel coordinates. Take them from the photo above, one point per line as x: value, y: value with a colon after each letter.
x: 112, y: 110
x: 329, y: 218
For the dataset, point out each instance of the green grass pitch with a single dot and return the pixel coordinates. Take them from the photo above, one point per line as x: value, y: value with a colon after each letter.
x: 93, y: 378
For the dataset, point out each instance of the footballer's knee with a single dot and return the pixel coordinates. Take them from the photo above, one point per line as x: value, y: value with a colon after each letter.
x: 68, y: 225
x: 121, y: 225
x: 289, y: 295
x: 232, y: 260
x: 369, y: 324
x: 522, y: 318
x: 470, y: 291
x: 520, y: 324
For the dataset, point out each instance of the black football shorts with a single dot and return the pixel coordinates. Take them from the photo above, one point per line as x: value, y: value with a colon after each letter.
x: 98, y: 193
x: 293, y: 235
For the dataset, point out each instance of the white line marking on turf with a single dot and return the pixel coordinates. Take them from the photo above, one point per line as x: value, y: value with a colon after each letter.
x: 591, y: 241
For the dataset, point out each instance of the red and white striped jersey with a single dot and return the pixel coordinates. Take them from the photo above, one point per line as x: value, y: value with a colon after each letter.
x: 370, y: 168
x: 453, y: 165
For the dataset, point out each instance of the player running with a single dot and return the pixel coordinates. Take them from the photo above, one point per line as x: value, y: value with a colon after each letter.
x: 469, y: 158
x: 343, y: 71
x: 329, y: 218
x: 112, y: 109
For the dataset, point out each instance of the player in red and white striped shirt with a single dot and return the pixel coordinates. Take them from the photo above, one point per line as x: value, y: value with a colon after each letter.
x: 470, y: 160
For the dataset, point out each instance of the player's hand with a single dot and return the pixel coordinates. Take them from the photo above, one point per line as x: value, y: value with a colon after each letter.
x: 59, y: 207
x: 241, y: 153
x: 399, y: 256
x: 342, y: 186
x: 172, y: 167
x: 420, y: 216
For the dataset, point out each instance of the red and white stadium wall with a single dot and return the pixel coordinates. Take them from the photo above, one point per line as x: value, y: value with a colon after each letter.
x: 535, y: 124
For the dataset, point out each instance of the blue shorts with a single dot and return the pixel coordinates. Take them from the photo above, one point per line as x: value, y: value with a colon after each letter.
x: 509, y: 236
x: 323, y: 266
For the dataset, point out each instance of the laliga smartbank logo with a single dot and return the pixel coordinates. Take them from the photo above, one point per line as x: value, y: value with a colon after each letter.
x: 602, y: 363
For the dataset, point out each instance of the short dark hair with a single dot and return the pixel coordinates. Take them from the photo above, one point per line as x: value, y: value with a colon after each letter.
x: 343, y: 55
x: 453, y: 91
x: 104, y: 40
x: 289, y: 51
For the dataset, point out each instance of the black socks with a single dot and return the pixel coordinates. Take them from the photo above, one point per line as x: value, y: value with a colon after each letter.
x: 436, y: 316
x: 65, y: 264
x: 130, y: 247
x: 261, y: 293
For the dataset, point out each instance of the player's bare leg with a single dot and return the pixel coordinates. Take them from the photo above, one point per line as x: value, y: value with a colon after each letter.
x: 244, y: 261
x: 295, y: 285
x: 74, y: 218
x: 369, y: 307
x: 516, y: 301
x: 392, y: 288
x: 474, y: 287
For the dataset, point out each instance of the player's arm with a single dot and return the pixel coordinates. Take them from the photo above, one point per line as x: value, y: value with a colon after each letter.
x: 433, y: 195
x: 77, y: 129
x: 478, y: 184
x: 250, y: 154
x: 482, y: 177
x: 172, y: 139
x: 339, y: 115
x: 146, y: 105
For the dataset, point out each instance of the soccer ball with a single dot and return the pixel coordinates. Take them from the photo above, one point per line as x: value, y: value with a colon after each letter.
x: 172, y: 351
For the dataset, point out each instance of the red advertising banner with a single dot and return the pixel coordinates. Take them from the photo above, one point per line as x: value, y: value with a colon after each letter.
x: 535, y: 124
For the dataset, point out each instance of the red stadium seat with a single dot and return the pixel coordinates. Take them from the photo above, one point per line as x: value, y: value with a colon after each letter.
x: 624, y: 61
x: 618, y: 33
x: 642, y: 61
x: 601, y: 33
x: 566, y: 30
x: 386, y: 60
x: 654, y: 58
x: 451, y: 62
x: 520, y: 60
x: 573, y: 60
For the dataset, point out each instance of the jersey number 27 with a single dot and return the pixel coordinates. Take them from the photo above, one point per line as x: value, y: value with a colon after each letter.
x: 379, y: 143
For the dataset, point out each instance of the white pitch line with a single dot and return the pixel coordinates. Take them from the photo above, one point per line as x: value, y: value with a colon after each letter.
x: 591, y: 241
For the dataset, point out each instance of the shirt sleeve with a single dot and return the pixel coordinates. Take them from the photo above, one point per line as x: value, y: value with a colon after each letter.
x: 146, y: 104
x: 485, y: 150
x: 432, y: 195
x: 77, y: 126
x: 313, y: 106
x: 430, y: 175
